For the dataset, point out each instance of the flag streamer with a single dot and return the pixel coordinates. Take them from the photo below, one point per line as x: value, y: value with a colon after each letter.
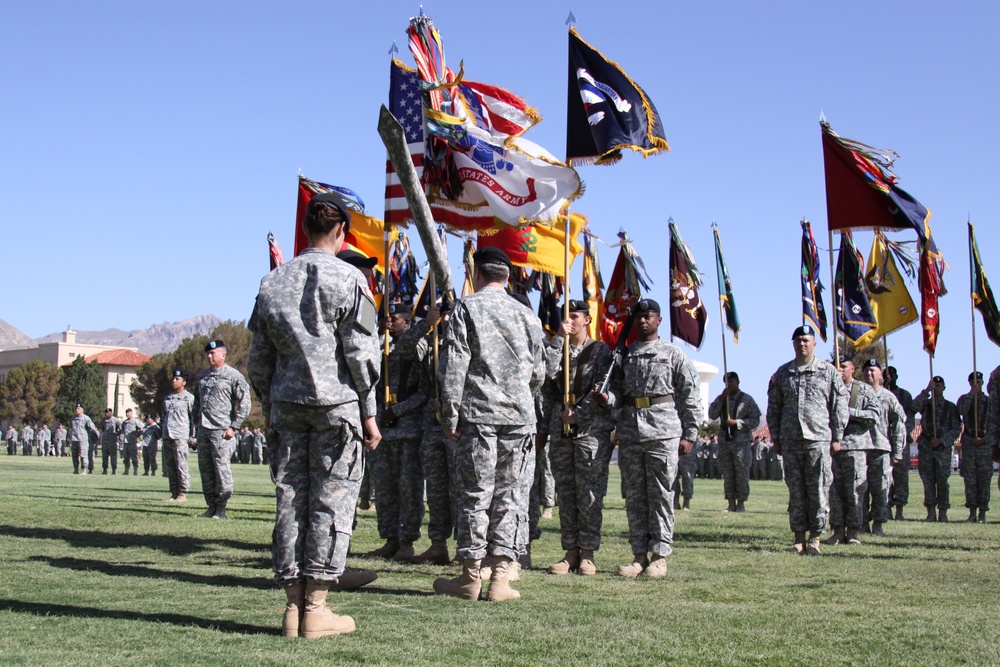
x: 813, y: 311
x: 855, y: 317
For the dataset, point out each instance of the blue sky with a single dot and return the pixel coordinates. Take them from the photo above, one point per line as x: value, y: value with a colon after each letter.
x: 149, y: 147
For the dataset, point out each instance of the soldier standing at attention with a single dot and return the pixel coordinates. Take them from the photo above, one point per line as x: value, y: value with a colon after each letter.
x: 11, y: 438
x: 396, y: 466
x: 977, y: 464
x: 150, y: 440
x: 806, y: 415
x: 81, y: 427
x: 850, y: 463
x: 658, y: 390
x: 314, y: 364
x: 59, y: 440
x: 178, y: 428
x: 940, y: 427
x: 223, y: 402
x: 899, y: 494
x: 131, y: 430
x: 887, y: 449
x: 738, y: 416
x: 111, y: 428
x: 491, y: 368
x: 27, y: 439
x: 43, y: 438
x: 579, y: 440
x: 258, y: 454
x: 244, y: 445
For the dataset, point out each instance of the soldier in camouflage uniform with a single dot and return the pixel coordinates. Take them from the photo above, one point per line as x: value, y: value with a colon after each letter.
x: 43, y: 440
x: 111, y: 429
x: 396, y: 466
x: 579, y: 440
x: 738, y: 416
x: 977, y: 464
x: 850, y: 463
x: 940, y: 428
x: 150, y: 444
x: 899, y: 494
x: 314, y: 364
x: 259, y: 452
x: 491, y: 368
x: 806, y: 415
x: 81, y: 428
x: 222, y: 403
x: 131, y: 430
x: 887, y: 448
x: 658, y: 390
x: 179, y: 431
x: 59, y: 440
x: 11, y: 439
x: 245, y: 445
x: 993, y: 420
x: 687, y: 465
x: 27, y: 439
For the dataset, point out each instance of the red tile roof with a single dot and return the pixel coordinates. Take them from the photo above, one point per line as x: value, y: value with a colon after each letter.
x: 118, y: 358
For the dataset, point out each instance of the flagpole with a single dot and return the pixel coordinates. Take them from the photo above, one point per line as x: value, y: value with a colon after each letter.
x: 833, y: 281
x: 722, y: 316
x: 885, y: 349
x: 930, y: 361
x: 385, y: 310
x: 566, y: 241
x: 972, y: 311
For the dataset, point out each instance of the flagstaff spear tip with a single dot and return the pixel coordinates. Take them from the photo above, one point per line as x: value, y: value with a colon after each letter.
x: 393, y: 50
x: 571, y: 20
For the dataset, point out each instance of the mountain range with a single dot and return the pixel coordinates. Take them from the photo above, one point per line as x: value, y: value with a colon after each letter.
x: 154, y: 339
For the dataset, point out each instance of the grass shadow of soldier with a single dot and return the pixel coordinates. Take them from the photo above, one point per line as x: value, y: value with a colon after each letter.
x: 139, y: 570
x: 174, y: 545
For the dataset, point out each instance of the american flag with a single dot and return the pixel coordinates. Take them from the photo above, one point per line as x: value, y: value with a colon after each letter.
x: 405, y: 104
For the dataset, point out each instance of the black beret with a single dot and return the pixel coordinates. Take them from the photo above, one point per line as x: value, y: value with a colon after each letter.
x: 646, y: 306
x: 804, y: 330
x: 846, y: 359
x: 872, y: 363
x: 578, y: 306
x: 975, y: 374
x: 180, y: 374
x: 731, y: 375
x: 108, y: 410
x: 355, y: 258
x: 78, y: 405
x: 400, y: 308
x: 336, y: 201
x: 491, y: 255
x: 214, y: 345
x: 938, y: 379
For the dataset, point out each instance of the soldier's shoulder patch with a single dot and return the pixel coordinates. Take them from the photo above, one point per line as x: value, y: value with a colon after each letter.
x: 367, y: 312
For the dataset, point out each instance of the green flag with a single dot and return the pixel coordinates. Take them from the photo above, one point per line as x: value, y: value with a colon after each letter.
x: 982, y: 295
x: 726, y: 289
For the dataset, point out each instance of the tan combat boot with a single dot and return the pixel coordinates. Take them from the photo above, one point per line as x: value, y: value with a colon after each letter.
x: 467, y: 585
x: 657, y: 568
x: 436, y: 554
x: 405, y: 553
x: 317, y: 620
x: 812, y: 547
x: 799, y: 546
x: 547, y: 513
x: 687, y: 504
x: 500, y: 590
x: 587, y: 567
x: 294, y: 607
x: 181, y: 498
x: 635, y: 568
x: 852, y: 537
x: 353, y: 579
x: 387, y: 550
x: 836, y: 538
x: 569, y: 563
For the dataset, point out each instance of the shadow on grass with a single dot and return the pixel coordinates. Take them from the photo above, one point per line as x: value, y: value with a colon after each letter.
x: 406, y: 592
x: 132, y: 570
x: 174, y: 545
x: 47, y: 609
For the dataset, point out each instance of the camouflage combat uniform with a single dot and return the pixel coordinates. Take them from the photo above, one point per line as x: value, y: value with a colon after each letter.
x: 491, y: 367
x: 43, y: 439
x: 59, y: 441
x: 150, y: 443
x: 27, y: 439
x: 977, y: 462
x: 314, y: 363
x: 11, y: 438
x: 542, y: 490
x: 806, y: 411
x: 81, y: 427
x: 888, y: 438
x: 111, y: 428
x: 658, y: 390
x: 223, y: 402
x: 735, y: 458
x: 900, y: 491
x: 935, y: 464
x: 245, y: 447
x: 396, y: 470
x: 178, y: 427
x: 259, y: 449
x: 687, y: 465
x: 580, y: 458
x: 131, y: 430
x: 850, y: 464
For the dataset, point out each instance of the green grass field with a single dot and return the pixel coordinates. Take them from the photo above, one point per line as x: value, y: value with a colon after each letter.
x: 100, y: 570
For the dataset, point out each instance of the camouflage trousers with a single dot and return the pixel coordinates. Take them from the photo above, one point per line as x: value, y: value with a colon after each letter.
x: 687, y: 465
x: 807, y: 476
x: 317, y: 462
x: 759, y: 470
x: 437, y: 455
x: 900, y: 492
x: 130, y: 455
x: 399, y: 487
x: 934, y: 466
x: 494, y: 468
x: 538, y: 480
x: 257, y: 455
x: 850, y: 483
x: 109, y: 451
x: 367, y: 491
x: 580, y: 468
x: 735, y: 461
x: 11, y: 447
x: 149, y: 457
x: 649, y: 469
x: 79, y: 451
x: 977, y: 471
x: 546, y: 480
x: 876, y: 505
x: 214, y: 454
x: 175, y: 465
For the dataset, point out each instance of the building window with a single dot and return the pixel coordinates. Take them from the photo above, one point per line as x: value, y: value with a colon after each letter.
x: 72, y: 354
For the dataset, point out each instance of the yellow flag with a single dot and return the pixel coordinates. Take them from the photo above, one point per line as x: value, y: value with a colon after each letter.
x: 367, y: 235
x: 890, y: 300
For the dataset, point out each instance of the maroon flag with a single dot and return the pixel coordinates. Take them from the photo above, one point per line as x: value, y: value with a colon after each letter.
x: 688, y: 315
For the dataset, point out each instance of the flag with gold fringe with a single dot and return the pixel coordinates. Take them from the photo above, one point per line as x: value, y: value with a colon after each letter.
x: 593, y: 286
x: 890, y: 300
x: 813, y: 311
x: 982, y: 295
x: 688, y: 315
x: 538, y: 247
x: 628, y: 280
x: 932, y: 268
x: 854, y: 311
x: 606, y: 110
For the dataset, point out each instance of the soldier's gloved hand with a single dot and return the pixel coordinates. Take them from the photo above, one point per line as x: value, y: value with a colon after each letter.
x: 685, y: 447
